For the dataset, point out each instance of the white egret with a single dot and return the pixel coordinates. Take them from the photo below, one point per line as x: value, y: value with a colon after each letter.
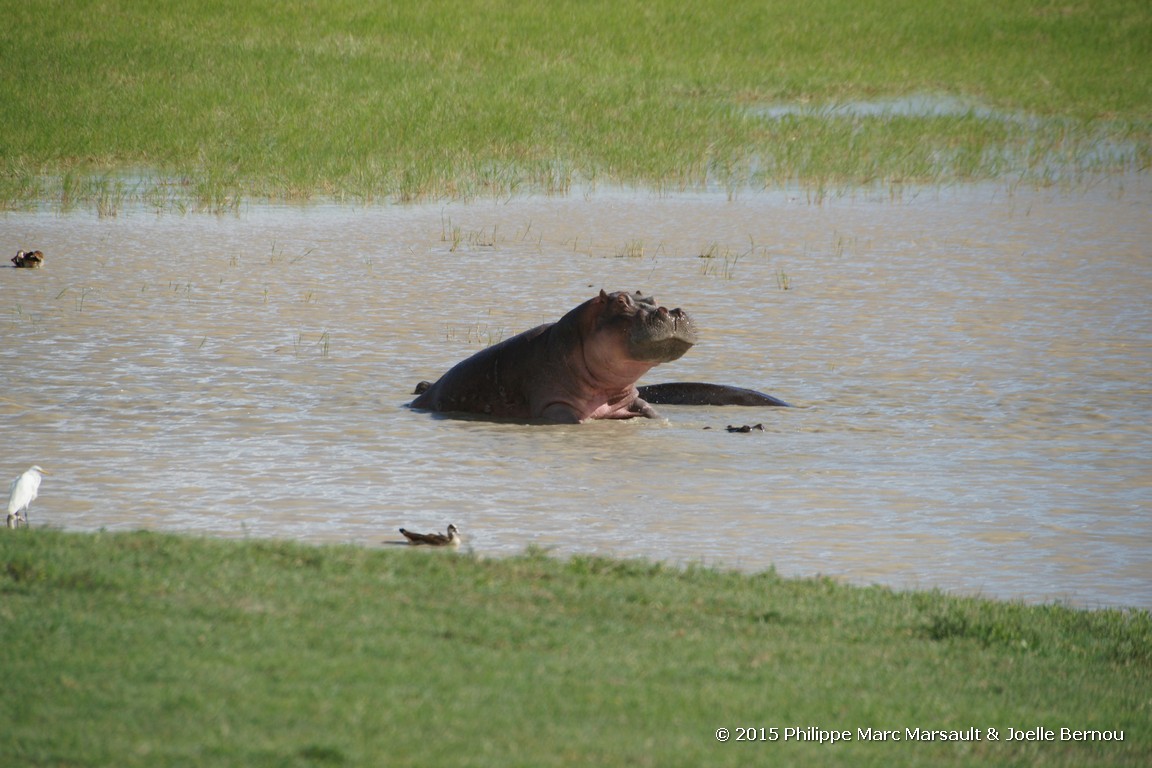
x: 21, y: 494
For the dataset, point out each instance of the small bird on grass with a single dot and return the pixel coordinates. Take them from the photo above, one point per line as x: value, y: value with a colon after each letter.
x: 21, y: 494
x: 434, y: 539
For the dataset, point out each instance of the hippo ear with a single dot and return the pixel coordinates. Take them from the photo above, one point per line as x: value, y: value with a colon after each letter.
x: 603, y: 295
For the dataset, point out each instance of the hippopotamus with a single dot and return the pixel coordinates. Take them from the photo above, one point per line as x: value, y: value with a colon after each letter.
x: 584, y: 366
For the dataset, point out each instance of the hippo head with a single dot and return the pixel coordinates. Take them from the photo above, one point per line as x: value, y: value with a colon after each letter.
x: 650, y: 333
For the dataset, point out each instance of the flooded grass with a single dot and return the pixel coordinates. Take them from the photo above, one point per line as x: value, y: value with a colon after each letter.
x: 721, y: 262
x: 197, y: 107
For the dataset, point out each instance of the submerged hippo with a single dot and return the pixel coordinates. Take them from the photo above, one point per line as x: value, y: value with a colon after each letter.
x: 584, y: 366
x: 697, y: 393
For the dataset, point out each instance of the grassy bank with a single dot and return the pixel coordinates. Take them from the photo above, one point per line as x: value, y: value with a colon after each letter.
x: 151, y: 650
x: 207, y: 101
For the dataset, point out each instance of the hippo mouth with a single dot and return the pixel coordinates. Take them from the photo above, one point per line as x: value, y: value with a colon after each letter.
x: 661, y: 334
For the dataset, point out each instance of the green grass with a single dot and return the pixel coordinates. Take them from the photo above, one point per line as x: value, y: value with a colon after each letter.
x: 155, y: 650
x: 209, y: 102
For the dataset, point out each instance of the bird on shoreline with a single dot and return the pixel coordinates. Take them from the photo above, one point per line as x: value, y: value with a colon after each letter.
x: 434, y: 539
x: 21, y: 494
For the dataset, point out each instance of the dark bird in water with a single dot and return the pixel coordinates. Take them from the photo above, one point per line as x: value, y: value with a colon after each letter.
x: 434, y: 539
x: 28, y: 259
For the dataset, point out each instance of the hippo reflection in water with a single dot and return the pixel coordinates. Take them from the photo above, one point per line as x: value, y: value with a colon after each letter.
x: 584, y: 366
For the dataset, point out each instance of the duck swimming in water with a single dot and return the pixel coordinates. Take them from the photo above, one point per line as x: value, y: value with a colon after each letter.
x: 434, y: 539
x: 28, y: 259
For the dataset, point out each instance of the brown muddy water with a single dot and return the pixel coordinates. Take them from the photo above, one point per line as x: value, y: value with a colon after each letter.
x: 972, y: 366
